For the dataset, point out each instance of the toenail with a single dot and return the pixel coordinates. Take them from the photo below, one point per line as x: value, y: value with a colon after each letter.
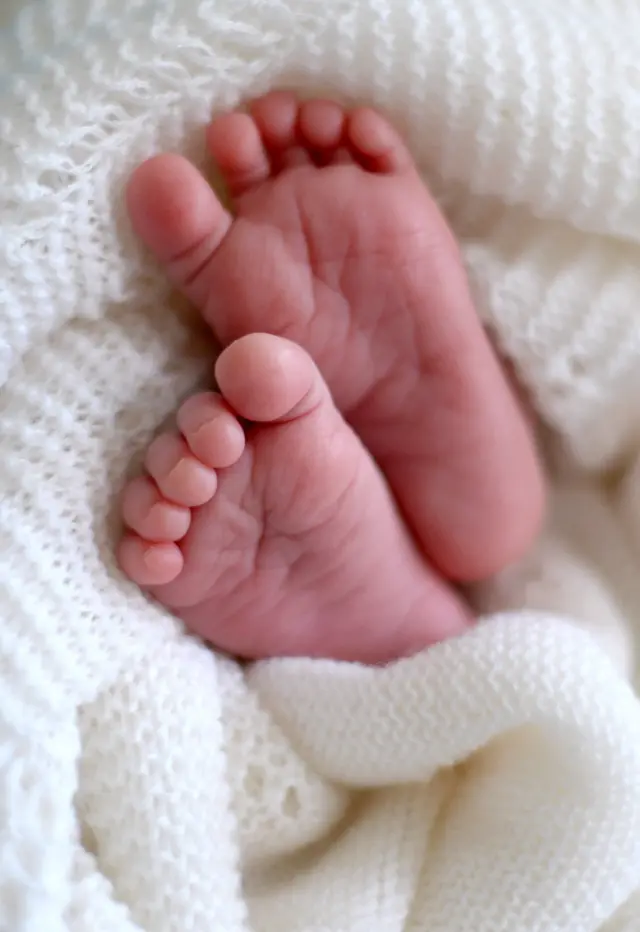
x: 198, y: 477
x: 204, y: 423
x: 155, y: 556
x: 163, y: 510
x: 150, y: 557
x: 200, y: 419
x: 203, y: 432
x: 177, y: 471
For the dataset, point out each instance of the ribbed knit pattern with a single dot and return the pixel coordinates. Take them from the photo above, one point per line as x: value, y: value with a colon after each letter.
x: 148, y: 785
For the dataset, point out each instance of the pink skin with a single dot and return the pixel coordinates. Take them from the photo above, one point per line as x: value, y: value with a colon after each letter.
x: 290, y: 540
x: 337, y: 245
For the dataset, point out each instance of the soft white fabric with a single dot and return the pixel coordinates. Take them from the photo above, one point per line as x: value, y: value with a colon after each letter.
x: 490, y: 784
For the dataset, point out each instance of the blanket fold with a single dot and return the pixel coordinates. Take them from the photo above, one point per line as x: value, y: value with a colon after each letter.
x: 148, y: 785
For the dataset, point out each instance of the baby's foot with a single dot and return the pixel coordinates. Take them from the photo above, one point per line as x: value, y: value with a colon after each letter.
x: 290, y: 543
x: 338, y: 246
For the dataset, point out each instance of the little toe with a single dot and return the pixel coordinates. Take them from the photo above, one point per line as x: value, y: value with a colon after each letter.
x: 376, y: 144
x: 235, y: 143
x: 177, y: 215
x: 211, y: 430
x: 181, y: 477
x: 321, y: 125
x: 276, y: 116
x: 149, y: 564
x: 269, y: 379
x: 145, y: 511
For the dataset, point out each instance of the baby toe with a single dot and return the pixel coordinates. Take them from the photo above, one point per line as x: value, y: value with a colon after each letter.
x: 276, y: 116
x: 145, y: 511
x: 211, y: 430
x: 236, y: 145
x: 179, y: 475
x: 321, y: 124
x: 266, y: 378
x: 149, y: 564
x: 376, y: 143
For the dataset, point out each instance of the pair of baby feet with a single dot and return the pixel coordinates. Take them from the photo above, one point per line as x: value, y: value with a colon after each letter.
x: 364, y: 452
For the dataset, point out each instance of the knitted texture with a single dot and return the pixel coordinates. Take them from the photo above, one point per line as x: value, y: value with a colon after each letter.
x: 491, y: 783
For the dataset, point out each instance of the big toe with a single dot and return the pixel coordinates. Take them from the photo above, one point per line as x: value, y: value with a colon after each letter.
x: 267, y: 379
x: 178, y: 216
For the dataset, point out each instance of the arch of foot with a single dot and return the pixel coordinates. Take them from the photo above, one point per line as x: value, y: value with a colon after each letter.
x: 73, y: 638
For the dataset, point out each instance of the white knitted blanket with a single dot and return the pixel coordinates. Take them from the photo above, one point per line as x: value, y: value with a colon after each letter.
x: 490, y: 784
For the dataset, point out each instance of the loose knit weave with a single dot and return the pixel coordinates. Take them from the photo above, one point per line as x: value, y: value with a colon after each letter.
x: 491, y: 784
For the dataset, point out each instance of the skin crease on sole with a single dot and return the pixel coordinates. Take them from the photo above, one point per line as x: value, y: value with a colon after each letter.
x: 337, y: 245
x: 289, y: 541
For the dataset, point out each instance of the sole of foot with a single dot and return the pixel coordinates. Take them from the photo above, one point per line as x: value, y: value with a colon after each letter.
x: 263, y: 522
x: 336, y: 244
